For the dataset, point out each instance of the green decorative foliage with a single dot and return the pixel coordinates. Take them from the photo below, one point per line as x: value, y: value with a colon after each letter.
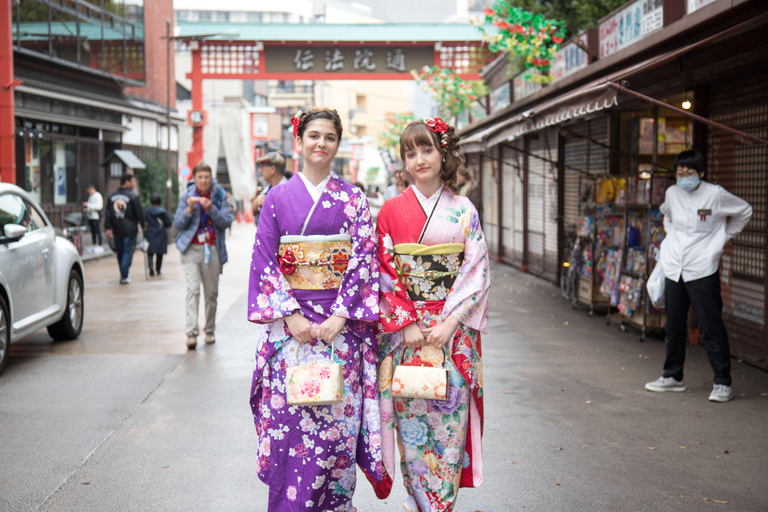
x: 525, y: 34
x: 452, y: 93
x: 394, y: 125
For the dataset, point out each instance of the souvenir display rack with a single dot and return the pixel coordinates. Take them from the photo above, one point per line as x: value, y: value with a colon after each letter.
x: 620, y: 230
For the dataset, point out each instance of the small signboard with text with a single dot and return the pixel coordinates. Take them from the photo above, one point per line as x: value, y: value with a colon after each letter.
x: 695, y: 5
x: 348, y: 59
x: 630, y: 25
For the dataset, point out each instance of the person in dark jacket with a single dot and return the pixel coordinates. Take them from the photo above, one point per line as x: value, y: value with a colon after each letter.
x: 202, y: 218
x: 124, y: 214
x: 158, y: 221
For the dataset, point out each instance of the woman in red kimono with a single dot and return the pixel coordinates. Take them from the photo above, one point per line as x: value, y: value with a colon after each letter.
x: 434, y: 282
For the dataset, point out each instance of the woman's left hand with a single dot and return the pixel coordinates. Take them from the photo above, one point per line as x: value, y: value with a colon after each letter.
x: 440, y: 334
x: 329, y: 329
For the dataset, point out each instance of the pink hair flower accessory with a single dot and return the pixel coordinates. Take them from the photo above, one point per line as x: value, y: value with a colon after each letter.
x: 437, y: 125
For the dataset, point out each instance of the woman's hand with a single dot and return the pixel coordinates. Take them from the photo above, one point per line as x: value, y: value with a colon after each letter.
x: 329, y: 329
x: 413, y: 337
x: 440, y: 334
x: 300, y: 328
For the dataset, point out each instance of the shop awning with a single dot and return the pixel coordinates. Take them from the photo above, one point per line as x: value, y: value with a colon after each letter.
x: 581, y: 102
x: 127, y: 157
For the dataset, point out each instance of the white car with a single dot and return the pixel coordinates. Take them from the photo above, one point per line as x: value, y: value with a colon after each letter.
x: 41, y: 274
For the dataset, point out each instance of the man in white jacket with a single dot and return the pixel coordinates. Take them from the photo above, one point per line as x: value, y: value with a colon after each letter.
x: 696, y: 221
x: 92, y: 208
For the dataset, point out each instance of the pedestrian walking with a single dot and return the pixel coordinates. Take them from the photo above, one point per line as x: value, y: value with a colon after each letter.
x: 435, y: 279
x: 697, y: 228
x: 202, y: 218
x: 271, y: 167
x: 124, y: 214
x: 93, y: 208
x: 158, y: 221
x: 314, y: 290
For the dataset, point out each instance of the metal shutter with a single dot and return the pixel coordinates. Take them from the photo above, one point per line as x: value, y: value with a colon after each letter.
x: 542, y: 206
x: 741, y: 169
x: 512, y: 211
x: 490, y: 205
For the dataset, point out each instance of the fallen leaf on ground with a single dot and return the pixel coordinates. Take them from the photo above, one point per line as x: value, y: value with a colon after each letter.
x: 683, y: 447
x: 709, y: 499
x: 585, y: 446
x: 682, y: 496
x: 509, y: 392
x: 588, y: 402
x: 723, y: 451
x: 559, y: 449
x: 557, y: 484
x: 565, y: 389
x: 651, y: 447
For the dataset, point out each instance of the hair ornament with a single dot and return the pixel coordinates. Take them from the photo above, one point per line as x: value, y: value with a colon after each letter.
x: 437, y: 125
x: 296, y: 121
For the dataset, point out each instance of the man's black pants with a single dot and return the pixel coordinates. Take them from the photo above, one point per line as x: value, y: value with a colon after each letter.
x: 95, y: 230
x: 704, y: 295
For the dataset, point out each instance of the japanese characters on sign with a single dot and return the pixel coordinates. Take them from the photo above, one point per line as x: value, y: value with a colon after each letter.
x: 523, y: 87
x: 347, y: 59
x: 631, y: 24
x: 569, y: 59
x: 695, y: 5
x: 500, y: 97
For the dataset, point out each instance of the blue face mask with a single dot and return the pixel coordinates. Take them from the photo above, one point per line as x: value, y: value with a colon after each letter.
x: 688, y: 183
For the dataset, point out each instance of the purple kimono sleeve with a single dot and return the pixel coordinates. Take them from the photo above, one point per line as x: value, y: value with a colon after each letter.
x: 358, y: 297
x: 269, y: 295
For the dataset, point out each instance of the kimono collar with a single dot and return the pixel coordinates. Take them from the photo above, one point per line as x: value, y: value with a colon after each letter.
x: 427, y: 203
x: 315, y: 190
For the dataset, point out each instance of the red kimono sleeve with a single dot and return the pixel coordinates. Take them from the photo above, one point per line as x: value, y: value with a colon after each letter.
x: 396, y: 310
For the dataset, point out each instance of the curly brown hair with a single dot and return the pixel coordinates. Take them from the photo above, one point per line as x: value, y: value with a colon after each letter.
x: 320, y: 113
x: 418, y: 133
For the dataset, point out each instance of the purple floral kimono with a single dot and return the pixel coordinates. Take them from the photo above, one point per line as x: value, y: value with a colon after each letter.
x: 308, y: 454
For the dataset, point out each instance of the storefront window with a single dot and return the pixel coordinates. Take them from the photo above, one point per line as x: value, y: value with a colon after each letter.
x: 64, y: 172
x: 32, y: 160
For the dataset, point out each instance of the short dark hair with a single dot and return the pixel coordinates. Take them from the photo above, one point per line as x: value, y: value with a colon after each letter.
x: 91, y: 185
x: 691, y: 159
x: 201, y: 166
x: 125, y: 178
x: 155, y: 199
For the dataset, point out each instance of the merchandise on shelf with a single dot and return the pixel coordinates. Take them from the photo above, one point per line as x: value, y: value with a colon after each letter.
x: 635, y: 260
x: 658, y: 189
x: 585, y: 225
x: 609, y: 286
x: 631, y: 294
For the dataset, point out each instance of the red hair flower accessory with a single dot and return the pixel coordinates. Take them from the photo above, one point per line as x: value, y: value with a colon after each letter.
x: 296, y: 121
x: 437, y: 125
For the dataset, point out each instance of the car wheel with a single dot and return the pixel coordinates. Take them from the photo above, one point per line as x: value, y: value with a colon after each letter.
x: 70, y: 325
x: 5, y: 334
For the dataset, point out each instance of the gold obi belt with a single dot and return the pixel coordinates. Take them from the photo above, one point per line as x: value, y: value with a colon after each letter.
x: 429, y: 270
x: 314, y: 262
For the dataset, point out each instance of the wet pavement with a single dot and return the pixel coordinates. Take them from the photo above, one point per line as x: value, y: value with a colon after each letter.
x: 125, y: 418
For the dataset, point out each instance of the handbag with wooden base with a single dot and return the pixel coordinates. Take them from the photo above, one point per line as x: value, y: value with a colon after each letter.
x: 420, y: 381
x: 314, y: 384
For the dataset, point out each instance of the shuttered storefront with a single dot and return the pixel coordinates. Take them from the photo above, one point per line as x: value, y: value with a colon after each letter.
x: 743, y: 170
x: 490, y: 204
x: 542, y: 205
x: 512, y: 222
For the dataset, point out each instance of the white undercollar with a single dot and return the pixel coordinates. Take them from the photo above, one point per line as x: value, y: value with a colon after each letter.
x: 315, y: 190
x: 427, y: 203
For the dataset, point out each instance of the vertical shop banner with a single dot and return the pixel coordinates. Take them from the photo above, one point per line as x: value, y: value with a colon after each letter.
x: 523, y: 87
x: 260, y: 127
x: 500, y: 97
x: 569, y: 59
x: 59, y: 173
x: 630, y: 25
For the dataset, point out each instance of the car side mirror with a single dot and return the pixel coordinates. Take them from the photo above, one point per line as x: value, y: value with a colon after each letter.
x: 13, y: 232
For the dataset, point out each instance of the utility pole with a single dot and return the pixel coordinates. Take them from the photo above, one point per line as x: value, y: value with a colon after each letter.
x: 169, y: 181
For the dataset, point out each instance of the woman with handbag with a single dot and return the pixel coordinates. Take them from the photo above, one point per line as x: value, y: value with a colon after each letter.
x: 314, y: 291
x: 434, y: 280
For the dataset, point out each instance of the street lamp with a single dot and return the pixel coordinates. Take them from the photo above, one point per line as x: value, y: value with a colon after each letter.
x: 169, y: 41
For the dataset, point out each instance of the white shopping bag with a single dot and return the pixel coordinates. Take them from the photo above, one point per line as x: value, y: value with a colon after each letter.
x: 655, y: 286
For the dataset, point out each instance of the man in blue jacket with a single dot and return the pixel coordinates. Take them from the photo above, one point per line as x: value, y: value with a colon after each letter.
x: 202, y: 218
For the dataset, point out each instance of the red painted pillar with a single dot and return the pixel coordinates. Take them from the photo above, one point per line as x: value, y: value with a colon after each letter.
x: 196, y: 155
x: 7, y: 131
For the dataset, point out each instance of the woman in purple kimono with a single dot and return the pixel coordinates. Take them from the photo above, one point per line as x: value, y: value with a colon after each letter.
x: 307, y: 454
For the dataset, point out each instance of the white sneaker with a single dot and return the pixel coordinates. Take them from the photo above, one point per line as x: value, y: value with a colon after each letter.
x: 666, y: 384
x: 721, y: 393
x: 127, y: 280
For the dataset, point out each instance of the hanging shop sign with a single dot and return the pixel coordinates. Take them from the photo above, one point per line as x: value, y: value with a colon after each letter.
x: 522, y: 86
x: 347, y: 59
x: 695, y: 5
x: 260, y: 126
x: 569, y: 59
x: 500, y: 97
x: 630, y: 25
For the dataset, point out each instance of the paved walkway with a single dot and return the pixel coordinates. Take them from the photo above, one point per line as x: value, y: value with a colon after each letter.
x: 125, y: 418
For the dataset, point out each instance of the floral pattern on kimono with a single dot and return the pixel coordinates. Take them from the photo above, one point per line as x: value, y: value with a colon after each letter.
x: 307, y: 454
x: 439, y: 441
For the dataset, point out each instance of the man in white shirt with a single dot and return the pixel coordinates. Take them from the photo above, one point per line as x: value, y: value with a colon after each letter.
x: 92, y: 212
x: 271, y: 167
x: 696, y: 221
